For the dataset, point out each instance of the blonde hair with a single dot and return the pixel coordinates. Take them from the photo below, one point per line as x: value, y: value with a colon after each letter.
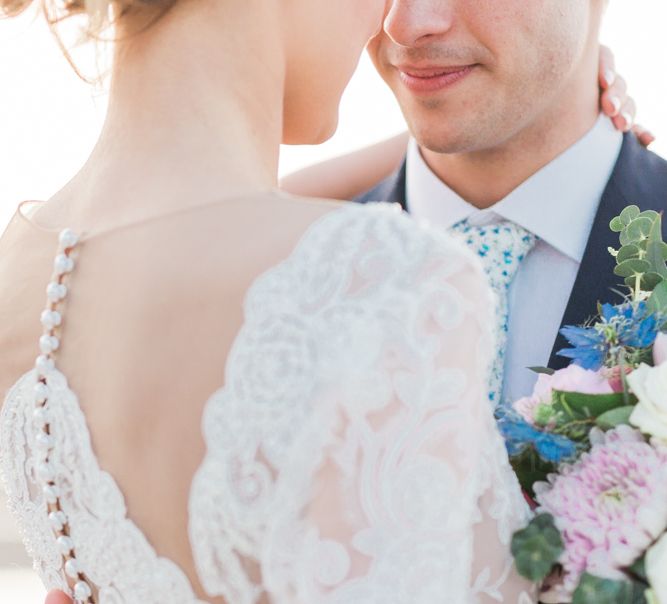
x: 94, y: 19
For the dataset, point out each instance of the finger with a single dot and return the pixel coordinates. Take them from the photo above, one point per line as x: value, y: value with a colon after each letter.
x: 607, y: 68
x: 628, y: 113
x: 624, y: 121
x: 644, y: 136
x: 614, y: 99
x: 57, y: 597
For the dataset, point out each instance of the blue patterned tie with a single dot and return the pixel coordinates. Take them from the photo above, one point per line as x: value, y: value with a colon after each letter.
x: 502, y: 247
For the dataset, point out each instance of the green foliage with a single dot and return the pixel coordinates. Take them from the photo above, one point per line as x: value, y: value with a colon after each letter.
x: 615, y: 417
x: 544, y: 370
x: 576, y: 405
x: 641, y: 260
x: 638, y: 570
x: 530, y: 468
x: 594, y: 590
x: 658, y: 300
x: 576, y: 413
x: 536, y: 548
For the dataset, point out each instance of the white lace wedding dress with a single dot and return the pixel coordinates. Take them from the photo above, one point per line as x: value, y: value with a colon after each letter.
x: 351, y: 458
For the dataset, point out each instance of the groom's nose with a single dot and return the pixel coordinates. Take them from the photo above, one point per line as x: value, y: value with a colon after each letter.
x: 410, y: 22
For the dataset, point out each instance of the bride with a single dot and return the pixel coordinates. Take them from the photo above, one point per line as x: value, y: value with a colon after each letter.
x: 235, y: 395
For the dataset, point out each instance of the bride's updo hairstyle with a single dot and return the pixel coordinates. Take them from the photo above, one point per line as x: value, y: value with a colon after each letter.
x: 76, y: 22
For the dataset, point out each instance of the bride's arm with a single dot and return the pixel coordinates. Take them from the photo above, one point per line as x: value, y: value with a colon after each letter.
x: 346, y: 176
x: 350, y: 175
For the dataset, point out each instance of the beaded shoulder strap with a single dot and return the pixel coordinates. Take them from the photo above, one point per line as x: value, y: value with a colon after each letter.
x: 49, y: 343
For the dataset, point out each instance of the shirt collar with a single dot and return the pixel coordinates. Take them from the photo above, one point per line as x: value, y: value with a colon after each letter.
x: 558, y: 203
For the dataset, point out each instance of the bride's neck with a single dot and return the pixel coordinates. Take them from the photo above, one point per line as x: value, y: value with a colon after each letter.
x: 195, y: 114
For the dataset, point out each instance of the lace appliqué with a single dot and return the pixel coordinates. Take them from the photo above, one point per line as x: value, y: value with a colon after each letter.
x: 112, y: 551
x: 325, y: 472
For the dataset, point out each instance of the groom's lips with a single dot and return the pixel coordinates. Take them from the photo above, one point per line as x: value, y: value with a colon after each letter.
x: 424, y: 80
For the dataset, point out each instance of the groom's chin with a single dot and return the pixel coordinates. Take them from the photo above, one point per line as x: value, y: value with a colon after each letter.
x: 447, y: 138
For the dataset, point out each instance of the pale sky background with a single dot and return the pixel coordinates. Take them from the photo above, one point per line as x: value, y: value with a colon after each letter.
x: 49, y: 121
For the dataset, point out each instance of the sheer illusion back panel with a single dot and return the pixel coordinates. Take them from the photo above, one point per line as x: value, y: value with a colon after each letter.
x: 151, y: 314
x: 347, y: 453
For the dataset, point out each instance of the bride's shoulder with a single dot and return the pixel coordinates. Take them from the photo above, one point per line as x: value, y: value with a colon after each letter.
x: 379, y: 242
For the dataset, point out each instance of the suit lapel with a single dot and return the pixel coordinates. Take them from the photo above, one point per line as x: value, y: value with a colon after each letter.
x: 392, y: 189
x: 634, y: 181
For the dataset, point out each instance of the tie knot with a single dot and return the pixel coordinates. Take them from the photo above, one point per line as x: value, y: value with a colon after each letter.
x: 501, y: 247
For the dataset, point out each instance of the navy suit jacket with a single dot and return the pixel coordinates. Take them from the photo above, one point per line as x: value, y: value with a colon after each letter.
x: 639, y: 178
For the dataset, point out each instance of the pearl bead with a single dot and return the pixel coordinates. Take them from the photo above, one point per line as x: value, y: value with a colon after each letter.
x: 72, y: 568
x: 44, y: 441
x: 51, y: 319
x: 55, y: 292
x: 44, y: 364
x: 68, y: 239
x: 57, y: 520
x: 63, y: 264
x: 41, y: 416
x: 48, y: 344
x: 45, y: 471
x: 82, y: 591
x: 65, y: 545
x: 41, y: 392
x: 51, y: 493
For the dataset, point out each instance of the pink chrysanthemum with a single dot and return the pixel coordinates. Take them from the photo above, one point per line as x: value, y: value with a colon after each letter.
x: 609, y: 506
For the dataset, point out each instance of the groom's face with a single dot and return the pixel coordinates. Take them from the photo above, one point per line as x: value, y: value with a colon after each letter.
x: 472, y: 74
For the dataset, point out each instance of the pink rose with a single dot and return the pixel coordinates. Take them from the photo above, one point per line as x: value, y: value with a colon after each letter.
x: 577, y: 379
x: 534, y: 408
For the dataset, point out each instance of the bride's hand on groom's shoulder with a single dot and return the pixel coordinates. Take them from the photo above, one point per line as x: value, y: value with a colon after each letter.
x: 614, y: 99
x: 57, y: 597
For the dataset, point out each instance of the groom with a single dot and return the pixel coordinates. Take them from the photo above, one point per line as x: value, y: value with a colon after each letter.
x: 501, y: 97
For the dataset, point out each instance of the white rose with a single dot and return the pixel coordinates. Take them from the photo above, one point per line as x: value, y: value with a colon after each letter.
x: 656, y: 569
x: 650, y: 386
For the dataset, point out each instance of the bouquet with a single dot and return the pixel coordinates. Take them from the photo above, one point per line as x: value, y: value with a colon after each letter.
x: 590, y: 445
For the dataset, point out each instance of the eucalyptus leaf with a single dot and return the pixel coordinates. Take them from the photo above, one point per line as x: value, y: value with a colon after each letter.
x: 536, y: 548
x: 617, y: 225
x: 654, y: 249
x: 615, y: 417
x: 627, y: 252
x: 630, y: 268
x: 594, y: 590
x: 639, y: 229
x: 629, y: 214
x: 652, y: 215
x: 657, y: 303
x: 650, y: 281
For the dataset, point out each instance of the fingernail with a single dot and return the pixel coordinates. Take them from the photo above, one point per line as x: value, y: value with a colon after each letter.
x: 609, y: 76
x: 616, y: 104
x: 628, y: 120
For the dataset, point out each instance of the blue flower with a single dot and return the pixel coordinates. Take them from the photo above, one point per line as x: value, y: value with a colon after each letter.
x: 635, y: 325
x: 555, y: 448
x: 629, y: 325
x: 519, y: 435
x: 590, y: 346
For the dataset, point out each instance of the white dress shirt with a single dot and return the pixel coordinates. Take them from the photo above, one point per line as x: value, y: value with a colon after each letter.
x: 558, y: 204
